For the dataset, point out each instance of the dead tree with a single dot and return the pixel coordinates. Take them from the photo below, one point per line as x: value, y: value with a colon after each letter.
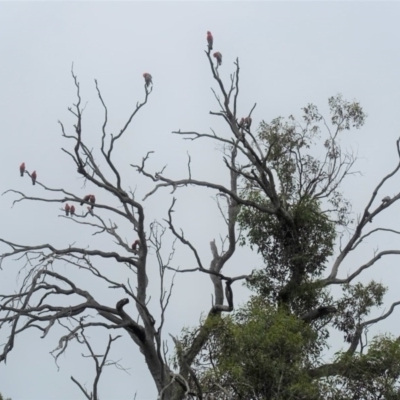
x: 35, y: 306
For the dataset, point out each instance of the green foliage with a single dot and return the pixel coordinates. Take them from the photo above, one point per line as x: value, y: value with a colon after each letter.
x: 294, y: 253
x: 296, y: 250
x: 270, y: 348
x: 373, y: 375
x: 344, y: 114
x: 262, y: 348
x: 355, y: 304
x: 261, y: 352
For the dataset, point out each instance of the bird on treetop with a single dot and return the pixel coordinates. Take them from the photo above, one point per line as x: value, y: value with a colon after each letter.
x: 210, y: 40
x: 218, y: 57
x: 147, y: 78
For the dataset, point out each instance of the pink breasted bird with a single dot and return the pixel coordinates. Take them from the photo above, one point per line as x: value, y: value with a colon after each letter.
x: 90, y: 211
x: 147, y: 78
x: 34, y: 176
x: 135, y: 245
x: 210, y: 40
x: 67, y: 209
x: 86, y: 198
x: 92, y: 200
x: 22, y: 169
x: 247, y: 122
x: 218, y: 57
x: 72, y: 210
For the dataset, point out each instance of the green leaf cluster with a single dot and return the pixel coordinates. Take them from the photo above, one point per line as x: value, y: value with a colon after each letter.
x: 264, y: 349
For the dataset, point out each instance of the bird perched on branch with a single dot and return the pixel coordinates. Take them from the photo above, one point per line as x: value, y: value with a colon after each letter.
x: 210, y: 40
x: 92, y: 200
x: 135, y: 245
x: 90, y: 211
x: 218, y: 57
x: 22, y: 169
x: 241, y: 123
x: 33, y: 177
x: 86, y: 198
x: 72, y: 210
x: 386, y: 199
x: 67, y: 209
x: 247, y: 122
x: 147, y: 78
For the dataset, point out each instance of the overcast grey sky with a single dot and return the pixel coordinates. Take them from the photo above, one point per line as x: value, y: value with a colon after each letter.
x: 290, y: 54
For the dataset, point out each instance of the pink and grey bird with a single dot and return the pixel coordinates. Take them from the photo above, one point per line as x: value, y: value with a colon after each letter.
x: 67, y: 209
x: 33, y: 177
x: 247, y: 122
x: 147, y: 78
x: 72, y: 210
x: 92, y: 200
x: 90, y: 211
x: 22, y: 169
x: 218, y: 57
x: 210, y: 40
x: 86, y: 198
x: 135, y: 245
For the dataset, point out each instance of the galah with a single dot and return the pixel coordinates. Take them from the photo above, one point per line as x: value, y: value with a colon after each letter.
x: 34, y: 176
x: 210, y: 40
x: 147, y: 78
x: 22, y: 169
x: 218, y: 57
x: 72, y: 210
x: 135, y: 244
x: 90, y: 211
x: 247, y: 122
x: 67, y: 209
x: 241, y: 123
x: 86, y: 198
x: 92, y: 200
